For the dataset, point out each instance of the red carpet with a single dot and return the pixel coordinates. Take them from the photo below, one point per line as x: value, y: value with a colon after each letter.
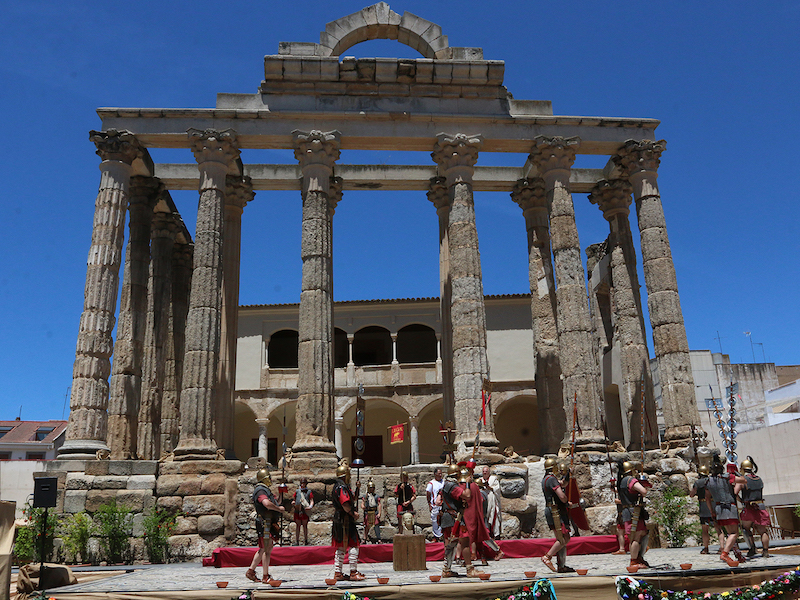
x: 370, y: 553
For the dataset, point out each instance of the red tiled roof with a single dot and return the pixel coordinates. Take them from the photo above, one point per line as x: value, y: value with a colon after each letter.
x: 23, y: 432
x: 385, y: 300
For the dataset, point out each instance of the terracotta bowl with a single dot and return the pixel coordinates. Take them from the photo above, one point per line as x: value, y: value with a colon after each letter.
x: 686, y: 566
x: 222, y: 584
x: 330, y: 581
x: 734, y: 563
x: 530, y: 574
x: 632, y: 569
x: 485, y: 576
x: 383, y: 580
x: 435, y: 578
x: 581, y: 571
x: 275, y: 582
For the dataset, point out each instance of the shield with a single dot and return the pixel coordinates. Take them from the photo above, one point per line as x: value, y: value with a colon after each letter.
x: 576, y: 514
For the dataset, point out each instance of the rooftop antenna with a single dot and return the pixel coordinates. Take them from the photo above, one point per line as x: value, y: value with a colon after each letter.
x: 750, y: 336
x: 66, y: 397
x: 19, y: 416
x: 719, y: 340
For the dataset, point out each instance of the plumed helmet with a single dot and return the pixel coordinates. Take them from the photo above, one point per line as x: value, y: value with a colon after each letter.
x: 343, y: 472
x: 263, y: 477
x: 747, y: 465
x: 453, y: 470
x: 550, y: 465
x: 464, y: 475
x: 703, y: 470
x: 370, y: 485
x: 481, y: 483
x: 628, y: 467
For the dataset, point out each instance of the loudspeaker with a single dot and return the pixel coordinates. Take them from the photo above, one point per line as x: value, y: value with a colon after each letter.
x: 44, y: 492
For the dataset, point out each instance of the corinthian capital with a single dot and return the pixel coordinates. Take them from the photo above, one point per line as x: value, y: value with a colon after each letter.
x: 316, y: 148
x: 116, y: 145
x: 550, y: 153
x: 238, y: 191
x: 613, y: 197
x: 638, y: 156
x: 335, y: 193
x: 163, y: 226
x: 437, y: 193
x: 530, y: 195
x: 214, y: 146
x: 145, y: 191
x: 456, y: 156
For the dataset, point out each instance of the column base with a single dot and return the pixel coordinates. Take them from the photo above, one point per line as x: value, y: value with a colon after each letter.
x: 680, y: 435
x: 195, y: 449
x: 315, y: 462
x: 590, y: 440
x: 83, y: 450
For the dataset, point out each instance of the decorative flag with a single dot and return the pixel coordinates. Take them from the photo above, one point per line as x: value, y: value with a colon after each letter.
x: 483, y: 405
x: 396, y: 433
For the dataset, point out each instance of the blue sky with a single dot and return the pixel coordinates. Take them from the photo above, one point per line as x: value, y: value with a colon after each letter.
x: 722, y: 78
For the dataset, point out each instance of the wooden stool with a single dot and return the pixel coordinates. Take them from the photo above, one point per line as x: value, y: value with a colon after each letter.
x: 408, y: 552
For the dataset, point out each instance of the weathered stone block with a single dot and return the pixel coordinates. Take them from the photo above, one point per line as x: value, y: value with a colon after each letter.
x: 204, y: 505
x: 185, y: 525
x: 668, y: 466
x: 141, y: 482
x: 174, y: 503
x: 74, y: 501
x: 136, y: 500
x: 120, y: 467
x: 518, y: 506
x: 213, y: 483
x: 602, y: 519
x: 110, y: 482
x: 144, y: 467
x: 178, y: 485
x: 95, y: 498
x: 79, y: 481
x: 210, y: 525
x: 510, y: 527
x: 138, y: 525
x: 679, y: 482
x: 512, y: 487
x: 97, y: 467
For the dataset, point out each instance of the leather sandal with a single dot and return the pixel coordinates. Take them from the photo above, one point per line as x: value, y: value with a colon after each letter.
x: 356, y: 576
x: 339, y: 576
x: 473, y: 572
x: 448, y: 573
x: 619, y: 552
x: 548, y: 562
x: 251, y: 575
x: 267, y: 579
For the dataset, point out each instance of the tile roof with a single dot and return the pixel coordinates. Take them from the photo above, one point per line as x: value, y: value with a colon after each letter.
x: 386, y: 300
x: 24, y: 432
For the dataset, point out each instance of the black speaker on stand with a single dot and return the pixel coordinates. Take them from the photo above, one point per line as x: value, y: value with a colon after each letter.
x: 45, y: 492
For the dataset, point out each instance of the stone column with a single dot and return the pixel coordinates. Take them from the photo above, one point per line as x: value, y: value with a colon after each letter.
x: 239, y: 192
x: 216, y: 153
x: 614, y: 199
x: 456, y: 156
x: 126, y: 369
x: 413, y: 425
x: 159, y: 291
x: 88, y: 419
x: 438, y: 194
x: 262, y: 438
x: 531, y: 197
x: 553, y: 157
x: 316, y: 152
x: 173, y: 372
x: 338, y: 436
x: 639, y: 161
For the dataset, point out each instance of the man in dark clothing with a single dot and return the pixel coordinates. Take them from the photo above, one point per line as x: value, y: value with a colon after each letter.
x: 405, y: 494
x: 706, y: 517
x: 268, y: 511
x: 754, y: 515
x: 631, y: 491
x: 303, y: 502
x: 344, y: 534
x: 722, y: 503
x: 449, y: 515
x: 556, y: 513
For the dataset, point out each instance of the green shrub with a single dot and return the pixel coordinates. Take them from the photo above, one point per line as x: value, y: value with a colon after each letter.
x: 114, y: 527
x: 671, y: 512
x: 75, y: 531
x: 159, y: 524
x: 28, y: 545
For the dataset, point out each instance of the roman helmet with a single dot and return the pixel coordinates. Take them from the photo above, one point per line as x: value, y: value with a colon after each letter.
x: 464, y: 475
x: 628, y: 467
x: 480, y: 482
x: 703, y: 470
x: 563, y: 469
x: 343, y: 472
x: 749, y: 465
x: 453, y: 470
x: 263, y: 477
x: 371, y: 486
x: 550, y: 465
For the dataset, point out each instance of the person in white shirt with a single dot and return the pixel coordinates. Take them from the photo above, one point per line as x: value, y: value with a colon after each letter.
x: 493, y: 514
x: 432, y: 491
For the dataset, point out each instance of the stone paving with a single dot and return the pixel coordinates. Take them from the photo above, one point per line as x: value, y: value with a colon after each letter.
x: 192, y: 576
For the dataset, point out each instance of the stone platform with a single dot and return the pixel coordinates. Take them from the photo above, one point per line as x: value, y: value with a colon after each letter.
x: 162, y: 581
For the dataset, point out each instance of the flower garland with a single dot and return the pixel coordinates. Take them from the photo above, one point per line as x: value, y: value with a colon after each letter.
x: 779, y: 587
x: 542, y: 589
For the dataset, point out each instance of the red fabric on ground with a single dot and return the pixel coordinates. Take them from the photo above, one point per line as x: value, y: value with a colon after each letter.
x: 370, y: 553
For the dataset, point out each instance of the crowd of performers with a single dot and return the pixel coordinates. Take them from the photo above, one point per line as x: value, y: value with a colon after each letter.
x: 465, y: 514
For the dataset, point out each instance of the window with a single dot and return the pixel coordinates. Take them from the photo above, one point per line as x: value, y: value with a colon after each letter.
x: 5, y: 430
x: 282, y: 351
x: 5, y: 455
x: 42, y: 433
x: 34, y: 456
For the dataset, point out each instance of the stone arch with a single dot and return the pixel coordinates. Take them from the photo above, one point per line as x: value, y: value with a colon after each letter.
x: 416, y: 343
x: 381, y: 22
x: 372, y: 345
x: 517, y: 424
x: 282, y: 349
x: 430, y: 440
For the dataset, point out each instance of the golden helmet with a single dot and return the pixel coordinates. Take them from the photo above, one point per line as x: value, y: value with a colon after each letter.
x: 453, y: 470
x: 480, y: 482
x: 343, y: 472
x: 703, y: 470
x: 370, y: 485
x: 628, y: 467
x: 464, y: 475
x: 563, y: 468
x: 263, y: 477
x: 550, y: 465
x: 747, y: 465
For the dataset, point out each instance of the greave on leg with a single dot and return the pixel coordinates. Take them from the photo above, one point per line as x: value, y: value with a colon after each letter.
x: 354, y: 559
x: 450, y: 554
x: 562, y: 557
x: 643, y: 545
x: 338, y: 559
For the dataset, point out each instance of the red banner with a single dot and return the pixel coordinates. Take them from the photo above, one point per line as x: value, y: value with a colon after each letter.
x: 396, y: 433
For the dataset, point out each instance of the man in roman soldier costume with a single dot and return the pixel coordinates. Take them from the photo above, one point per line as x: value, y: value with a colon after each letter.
x: 754, y: 515
x: 556, y: 513
x: 706, y: 518
x: 631, y: 490
x: 344, y: 534
x: 461, y: 508
x: 268, y: 511
x: 405, y: 494
x: 722, y: 503
x: 371, y: 507
x: 449, y: 515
